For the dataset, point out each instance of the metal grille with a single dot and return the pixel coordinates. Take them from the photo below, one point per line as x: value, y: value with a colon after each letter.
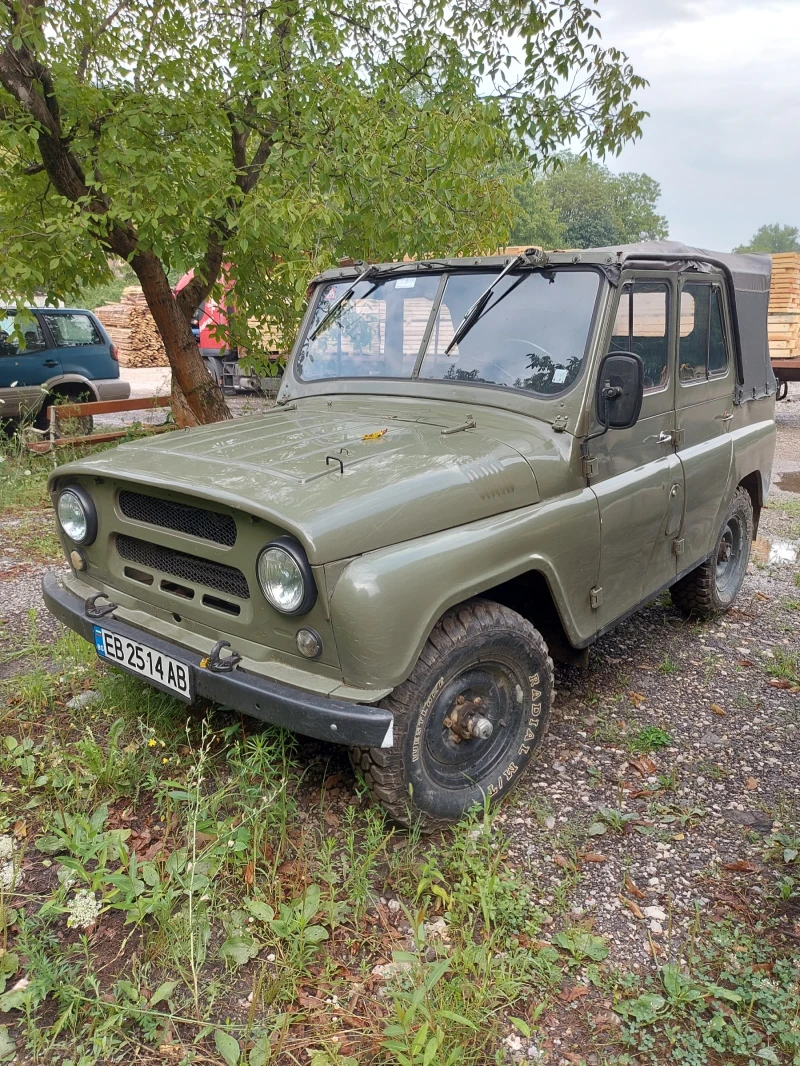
x: 201, y: 571
x: 182, y: 517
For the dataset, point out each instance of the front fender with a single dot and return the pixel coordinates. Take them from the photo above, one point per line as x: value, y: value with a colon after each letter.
x: 385, y: 603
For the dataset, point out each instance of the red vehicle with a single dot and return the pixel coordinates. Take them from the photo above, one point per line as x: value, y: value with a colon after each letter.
x: 222, y: 362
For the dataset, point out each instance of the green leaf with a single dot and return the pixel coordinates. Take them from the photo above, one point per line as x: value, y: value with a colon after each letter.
x: 164, y: 991
x: 228, y: 1047
x: 260, y: 1052
x: 311, y: 901
x: 239, y: 949
x: 768, y: 1055
x: 8, y: 1049
x: 597, y: 829
x: 644, y: 1009
x: 314, y: 934
x: 582, y: 944
x: 430, y: 1051
x: 522, y: 1026
x: 460, y: 1018
x: 14, y: 999
x: 261, y: 911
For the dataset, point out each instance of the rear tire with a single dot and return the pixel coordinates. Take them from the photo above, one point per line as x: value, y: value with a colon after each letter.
x: 66, y: 427
x: 713, y: 586
x: 482, y: 662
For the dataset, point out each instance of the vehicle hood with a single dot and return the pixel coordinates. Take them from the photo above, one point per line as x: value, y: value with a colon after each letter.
x: 343, y: 479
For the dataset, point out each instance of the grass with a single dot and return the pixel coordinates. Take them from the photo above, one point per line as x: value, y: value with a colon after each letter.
x: 199, y: 888
x: 784, y: 665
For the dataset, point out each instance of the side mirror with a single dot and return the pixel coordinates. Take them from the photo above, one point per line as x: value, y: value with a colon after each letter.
x: 620, y: 390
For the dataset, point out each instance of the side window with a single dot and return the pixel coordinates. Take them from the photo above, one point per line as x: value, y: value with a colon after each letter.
x: 717, y: 348
x: 31, y: 332
x: 702, y: 349
x: 641, y: 326
x: 73, y: 331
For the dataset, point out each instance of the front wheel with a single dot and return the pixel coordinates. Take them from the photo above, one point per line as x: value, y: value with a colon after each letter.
x: 713, y: 586
x: 467, y: 721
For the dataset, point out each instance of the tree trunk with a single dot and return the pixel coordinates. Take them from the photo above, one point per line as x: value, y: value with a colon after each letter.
x: 197, y: 399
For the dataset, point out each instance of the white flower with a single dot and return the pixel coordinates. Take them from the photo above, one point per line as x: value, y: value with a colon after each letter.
x: 84, y: 910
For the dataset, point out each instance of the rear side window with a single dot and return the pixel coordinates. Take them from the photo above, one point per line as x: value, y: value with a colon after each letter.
x: 9, y: 341
x: 703, y: 351
x: 73, y: 331
x: 641, y: 326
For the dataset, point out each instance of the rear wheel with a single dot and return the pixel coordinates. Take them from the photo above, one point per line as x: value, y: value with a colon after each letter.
x: 714, y: 585
x: 81, y: 426
x: 467, y: 721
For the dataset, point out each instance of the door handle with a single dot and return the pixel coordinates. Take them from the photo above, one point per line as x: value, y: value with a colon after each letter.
x: 50, y: 362
x: 723, y: 418
x: 664, y: 438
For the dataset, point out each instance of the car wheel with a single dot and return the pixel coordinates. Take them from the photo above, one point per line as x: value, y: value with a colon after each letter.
x: 66, y: 427
x: 467, y: 721
x: 714, y: 585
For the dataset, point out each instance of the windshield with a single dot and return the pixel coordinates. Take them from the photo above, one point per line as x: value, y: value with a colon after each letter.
x: 531, y: 335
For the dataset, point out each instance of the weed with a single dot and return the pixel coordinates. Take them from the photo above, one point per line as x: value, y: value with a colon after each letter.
x: 668, y: 666
x: 784, y: 664
x: 649, y: 738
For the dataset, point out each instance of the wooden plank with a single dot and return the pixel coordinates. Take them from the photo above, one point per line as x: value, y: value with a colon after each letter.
x: 108, y: 407
x: 43, y: 446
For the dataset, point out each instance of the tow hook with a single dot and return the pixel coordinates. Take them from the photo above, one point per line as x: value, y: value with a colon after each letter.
x: 216, y: 664
x: 466, y: 722
x: 93, y: 611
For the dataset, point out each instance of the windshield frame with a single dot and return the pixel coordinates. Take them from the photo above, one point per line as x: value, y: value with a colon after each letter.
x: 415, y: 380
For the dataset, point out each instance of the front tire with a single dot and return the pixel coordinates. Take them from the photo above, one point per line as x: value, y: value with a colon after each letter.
x: 712, y: 587
x: 482, y: 663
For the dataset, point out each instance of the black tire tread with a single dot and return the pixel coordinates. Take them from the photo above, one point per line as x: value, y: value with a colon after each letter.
x: 695, y: 594
x: 461, y: 622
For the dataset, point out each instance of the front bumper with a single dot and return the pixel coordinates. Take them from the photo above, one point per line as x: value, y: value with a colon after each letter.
x: 303, y: 712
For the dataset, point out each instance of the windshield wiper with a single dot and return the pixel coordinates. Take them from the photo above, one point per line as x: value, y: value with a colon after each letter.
x: 474, y: 312
x: 348, y: 292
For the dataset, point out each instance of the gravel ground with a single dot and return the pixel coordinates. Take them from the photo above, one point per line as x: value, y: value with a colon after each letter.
x: 728, y: 775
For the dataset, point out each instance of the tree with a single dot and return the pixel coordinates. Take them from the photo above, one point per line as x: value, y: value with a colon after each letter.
x: 774, y: 238
x: 258, y: 139
x: 581, y: 204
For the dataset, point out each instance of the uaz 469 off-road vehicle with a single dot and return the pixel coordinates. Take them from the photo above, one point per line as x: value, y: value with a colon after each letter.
x: 473, y: 464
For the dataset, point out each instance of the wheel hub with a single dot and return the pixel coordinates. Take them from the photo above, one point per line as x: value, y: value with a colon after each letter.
x: 466, y: 721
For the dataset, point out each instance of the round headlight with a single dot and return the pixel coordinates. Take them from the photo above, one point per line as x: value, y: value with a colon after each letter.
x: 77, y: 516
x: 285, y: 577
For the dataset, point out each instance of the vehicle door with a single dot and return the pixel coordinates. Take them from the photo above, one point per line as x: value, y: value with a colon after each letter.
x: 703, y: 410
x: 639, y: 480
x: 80, y: 344
x: 24, y: 368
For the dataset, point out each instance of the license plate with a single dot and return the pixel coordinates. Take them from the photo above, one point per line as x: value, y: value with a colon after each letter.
x: 143, y: 661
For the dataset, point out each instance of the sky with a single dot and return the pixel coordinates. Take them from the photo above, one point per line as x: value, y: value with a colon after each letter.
x: 723, y: 136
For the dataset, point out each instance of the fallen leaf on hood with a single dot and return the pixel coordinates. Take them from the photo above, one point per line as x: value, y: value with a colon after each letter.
x: 375, y: 436
x: 740, y: 866
x: 750, y: 784
x: 633, y: 888
x: 716, y: 709
x: 634, y: 908
x: 644, y: 765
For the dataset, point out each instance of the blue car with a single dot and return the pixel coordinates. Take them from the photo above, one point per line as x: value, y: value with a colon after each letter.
x: 67, y: 356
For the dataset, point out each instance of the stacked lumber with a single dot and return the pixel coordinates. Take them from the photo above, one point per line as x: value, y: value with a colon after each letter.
x: 131, y: 327
x: 784, y: 306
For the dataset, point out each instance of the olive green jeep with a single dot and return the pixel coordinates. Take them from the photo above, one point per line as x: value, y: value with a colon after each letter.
x: 473, y: 465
